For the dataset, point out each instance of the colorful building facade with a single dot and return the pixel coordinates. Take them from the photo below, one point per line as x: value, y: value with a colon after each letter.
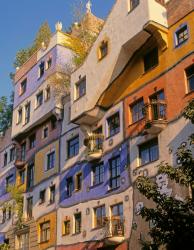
x: 76, y: 151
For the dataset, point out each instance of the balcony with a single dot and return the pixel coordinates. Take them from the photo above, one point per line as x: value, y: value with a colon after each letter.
x: 94, y: 144
x: 114, y: 230
x: 155, y: 113
x: 20, y: 159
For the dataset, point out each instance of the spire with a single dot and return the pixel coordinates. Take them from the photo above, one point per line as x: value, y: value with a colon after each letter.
x: 88, y: 7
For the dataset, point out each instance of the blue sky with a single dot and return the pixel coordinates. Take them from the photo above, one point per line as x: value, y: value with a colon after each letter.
x: 21, y: 19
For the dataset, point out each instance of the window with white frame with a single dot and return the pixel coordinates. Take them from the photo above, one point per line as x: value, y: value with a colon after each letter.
x: 52, y: 194
x: 115, y: 172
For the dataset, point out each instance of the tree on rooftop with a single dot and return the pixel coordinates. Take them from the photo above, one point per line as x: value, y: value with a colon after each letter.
x: 173, y: 219
x: 43, y: 35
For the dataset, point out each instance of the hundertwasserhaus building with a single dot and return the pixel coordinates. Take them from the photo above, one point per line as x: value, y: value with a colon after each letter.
x: 76, y: 150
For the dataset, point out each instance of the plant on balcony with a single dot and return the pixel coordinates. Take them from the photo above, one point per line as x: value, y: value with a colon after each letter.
x: 173, y: 218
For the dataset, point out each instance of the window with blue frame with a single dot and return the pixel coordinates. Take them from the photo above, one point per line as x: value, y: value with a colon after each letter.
x: 115, y: 171
x: 69, y: 183
x: 149, y: 152
x: 9, y: 180
x: 51, y: 160
x: 98, y: 174
x: 73, y: 147
x: 181, y: 35
x: 137, y: 110
x: 190, y: 77
x: 113, y: 123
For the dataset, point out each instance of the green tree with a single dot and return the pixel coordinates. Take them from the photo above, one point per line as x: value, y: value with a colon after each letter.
x: 173, y: 219
x: 43, y: 35
x: 6, y: 109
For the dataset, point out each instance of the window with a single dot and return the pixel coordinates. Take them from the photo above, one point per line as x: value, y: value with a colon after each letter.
x: 69, y: 182
x: 49, y: 63
x: 22, y: 242
x: 19, y: 118
x: 47, y: 93
x: 32, y: 141
x: 113, y: 124
x: 115, y: 172
x: 9, y: 212
x: 151, y: 59
x: 50, y: 160
x: 181, y: 35
x: 103, y: 49
x: 78, y: 182
x: 52, y: 194
x: 137, y: 110
x: 27, y: 113
x: 133, y: 4
x: 5, y: 159
x: 23, y: 151
x: 22, y: 177
x: 149, y: 152
x: 190, y: 77
x: 30, y: 175
x: 29, y: 207
x: 53, y: 123
x: 39, y: 99
x: 4, y: 216
x: 73, y: 147
x: 158, y: 109
x: 98, y: 174
x: 42, y: 196
x: 81, y: 88
x: 117, y: 220
x: 9, y: 180
x: 41, y: 69
x: 45, y: 132
x: 12, y: 154
x: 98, y: 141
x: 99, y: 215
x: 45, y: 232
x: 23, y: 85
x: 78, y: 221
x: 66, y: 227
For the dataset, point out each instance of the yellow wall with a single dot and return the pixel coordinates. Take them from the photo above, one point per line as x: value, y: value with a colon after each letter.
x: 134, y: 77
x: 52, y: 217
x: 40, y: 159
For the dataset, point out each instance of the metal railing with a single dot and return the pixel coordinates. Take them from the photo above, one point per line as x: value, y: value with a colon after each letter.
x: 114, y: 227
x: 94, y: 143
x: 155, y: 110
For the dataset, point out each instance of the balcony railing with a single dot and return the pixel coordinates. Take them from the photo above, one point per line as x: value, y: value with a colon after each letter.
x: 114, y: 230
x: 155, y: 114
x: 94, y: 144
x: 20, y: 159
